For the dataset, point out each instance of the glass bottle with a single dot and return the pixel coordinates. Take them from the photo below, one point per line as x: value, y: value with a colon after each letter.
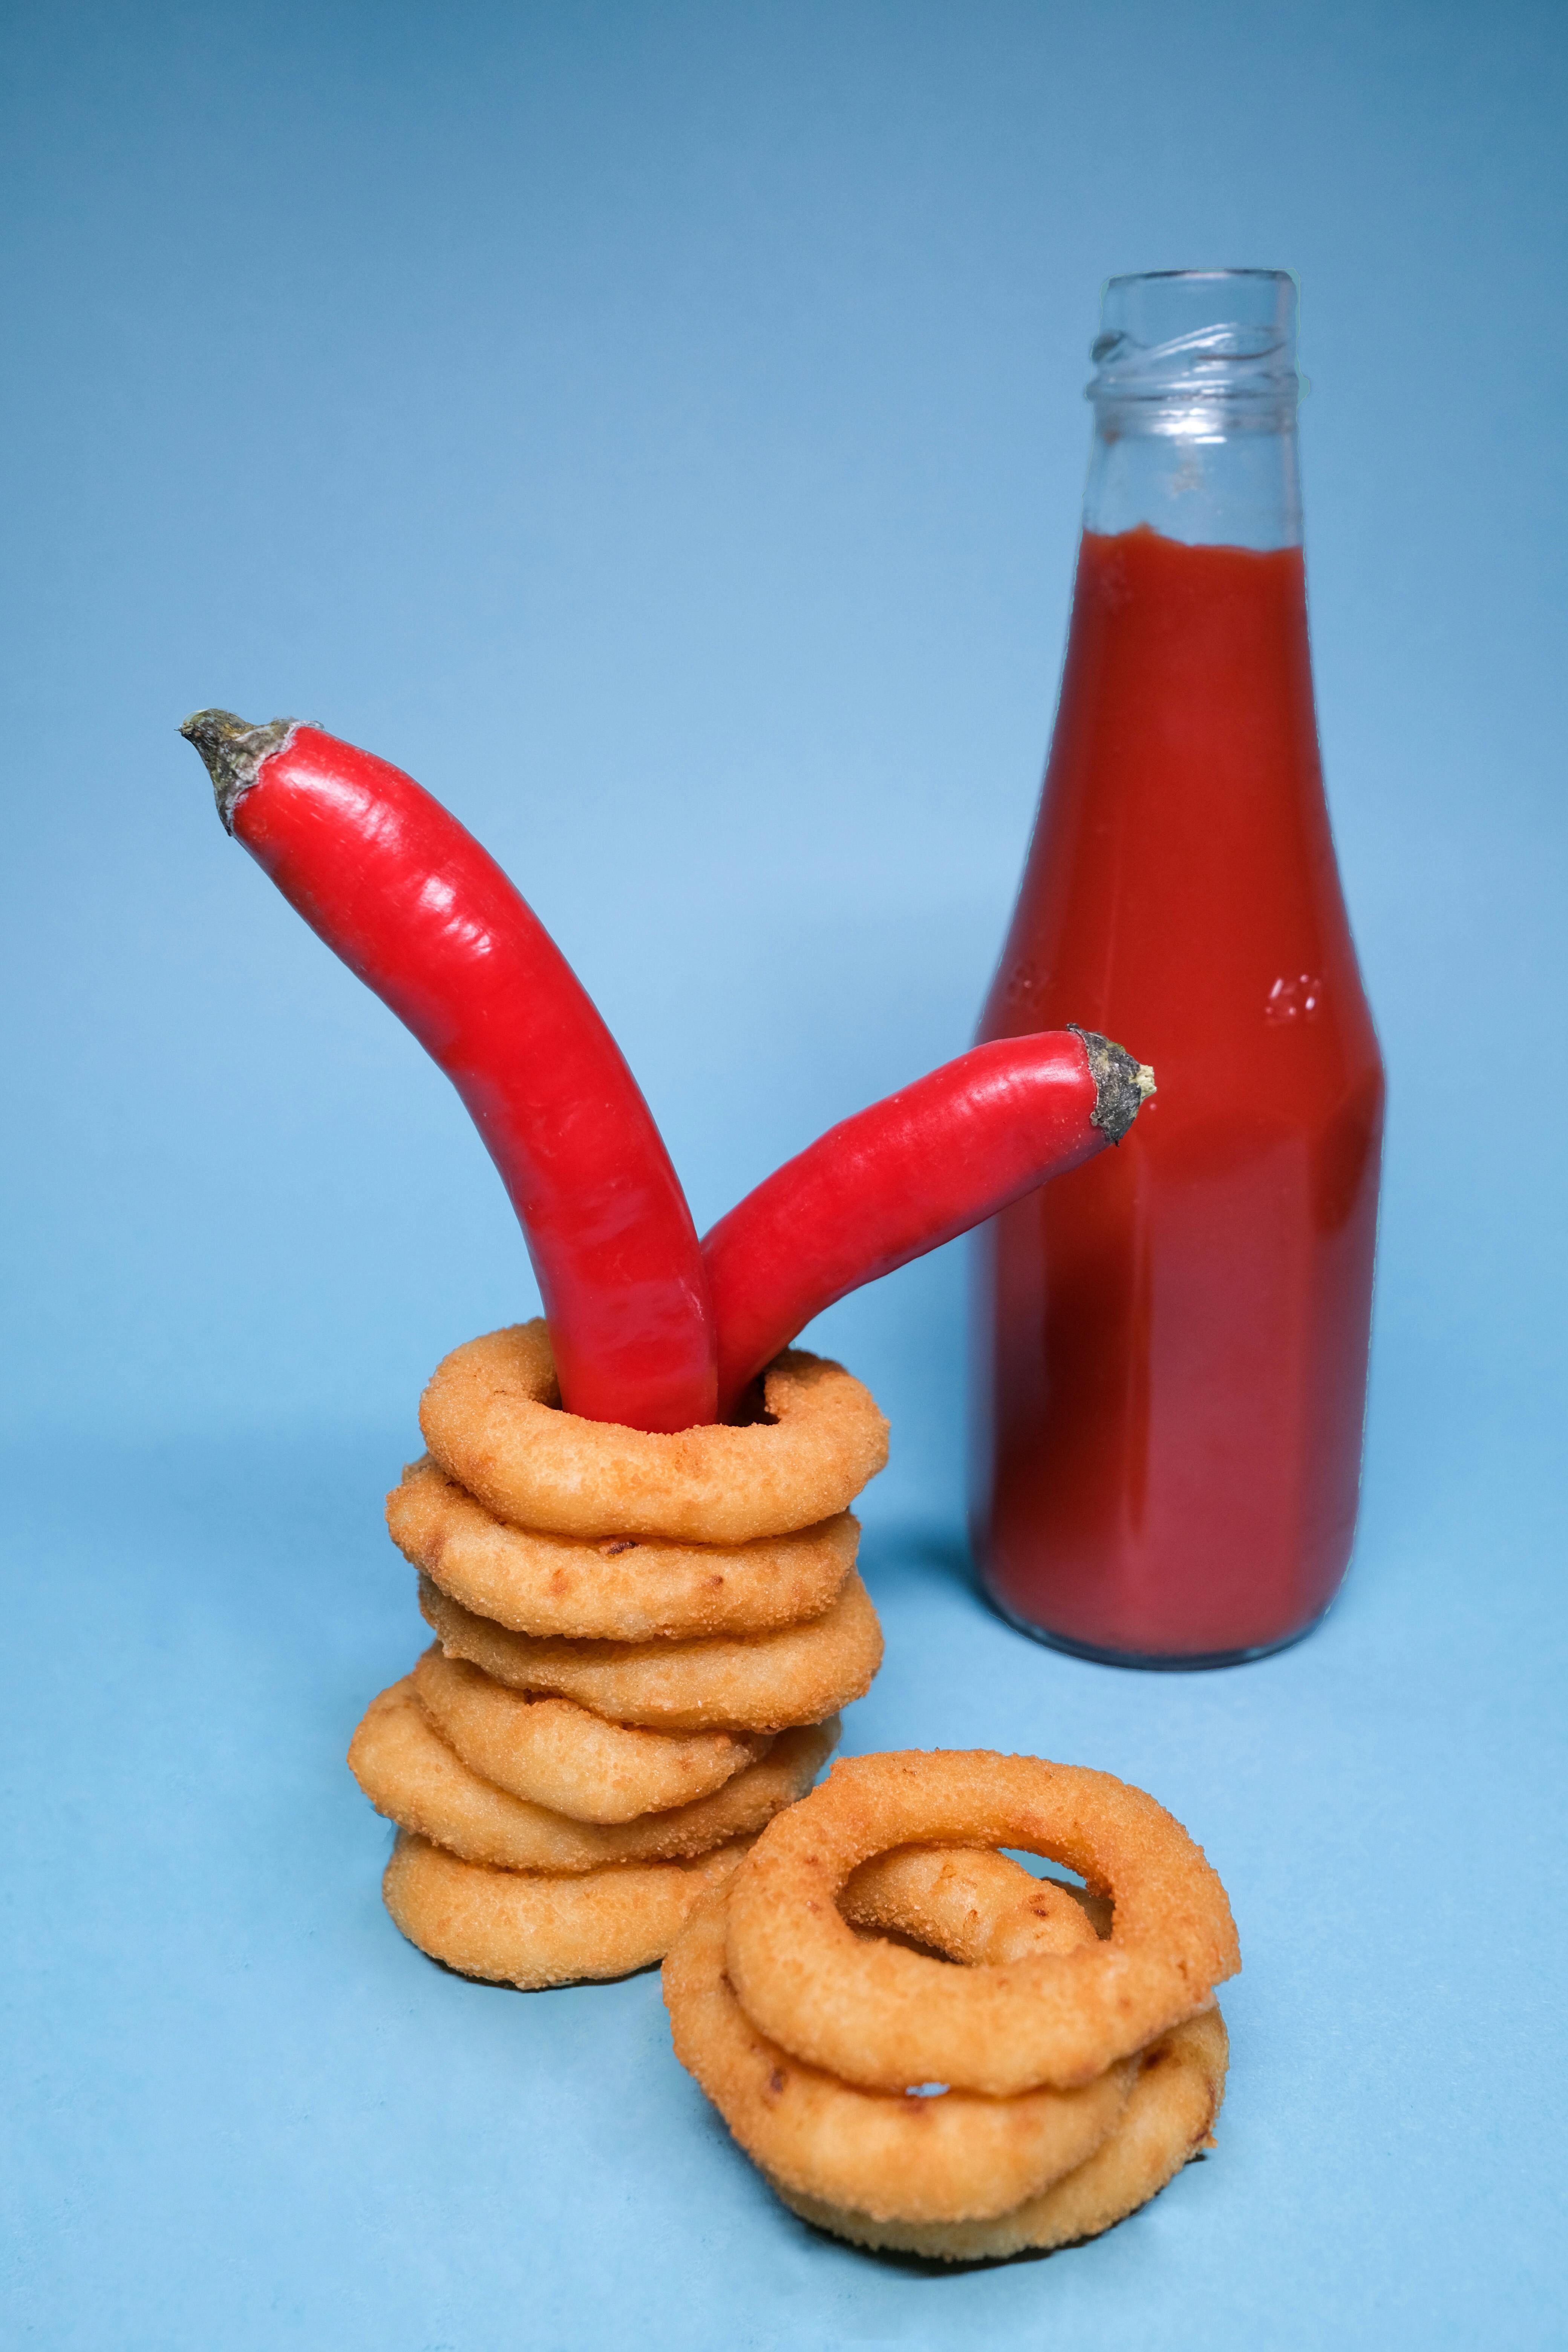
x: 1171, y: 1343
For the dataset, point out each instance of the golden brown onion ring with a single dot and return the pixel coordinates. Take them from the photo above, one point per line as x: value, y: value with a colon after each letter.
x: 414, y: 1778
x: 492, y: 1419
x: 751, y: 1682
x: 618, y: 1588
x: 970, y: 1904
x: 561, y: 1755
x: 530, y: 1927
x: 887, y: 2018
x: 1166, y: 2122
x: 934, y: 2158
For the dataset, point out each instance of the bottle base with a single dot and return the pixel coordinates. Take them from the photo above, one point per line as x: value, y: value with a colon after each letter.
x: 1160, y: 1662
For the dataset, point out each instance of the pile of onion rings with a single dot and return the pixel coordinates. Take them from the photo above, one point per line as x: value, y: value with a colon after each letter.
x: 642, y: 1645
x: 1031, y: 2095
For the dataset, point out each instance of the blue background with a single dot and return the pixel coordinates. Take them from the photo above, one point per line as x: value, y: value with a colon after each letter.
x: 657, y: 428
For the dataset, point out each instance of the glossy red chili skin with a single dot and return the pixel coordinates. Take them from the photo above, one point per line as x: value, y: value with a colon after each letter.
x: 412, y: 904
x: 897, y: 1180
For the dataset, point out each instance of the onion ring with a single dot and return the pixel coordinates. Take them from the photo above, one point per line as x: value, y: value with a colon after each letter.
x: 1167, y: 2122
x: 970, y: 1904
x: 492, y: 1419
x: 561, y: 1755
x: 757, y: 1681
x: 620, y: 1588
x: 413, y: 1778
x: 951, y: 2159
x: 531, y: 1928
x: 887, y: 2018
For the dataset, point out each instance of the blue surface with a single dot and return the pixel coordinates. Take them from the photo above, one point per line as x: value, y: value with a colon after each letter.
x: 658, y: 428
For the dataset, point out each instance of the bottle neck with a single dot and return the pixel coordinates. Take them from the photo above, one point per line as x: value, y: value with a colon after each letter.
x: 1194, y: 396
x: 1214, y: 489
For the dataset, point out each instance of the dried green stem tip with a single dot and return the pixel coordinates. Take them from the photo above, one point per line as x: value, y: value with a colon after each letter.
x: 234, y: 750
x: 1121, y: 1085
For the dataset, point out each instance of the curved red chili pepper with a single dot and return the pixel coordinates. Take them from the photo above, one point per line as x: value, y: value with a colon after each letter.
x: 906, y: 1175
x: 409, y: 900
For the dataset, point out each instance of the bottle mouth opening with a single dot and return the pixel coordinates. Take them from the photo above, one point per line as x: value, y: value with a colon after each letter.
x: 1183, y: 344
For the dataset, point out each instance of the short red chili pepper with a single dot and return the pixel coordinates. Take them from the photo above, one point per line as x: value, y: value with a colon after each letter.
x: 910, y: 1172
x: 425, y: 916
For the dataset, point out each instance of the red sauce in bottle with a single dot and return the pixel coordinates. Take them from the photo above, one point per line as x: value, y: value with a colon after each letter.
x: 1172, y: 1341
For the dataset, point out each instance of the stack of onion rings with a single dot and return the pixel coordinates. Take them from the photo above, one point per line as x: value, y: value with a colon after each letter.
x: 642, y: 1647
x: 1077, y: 2049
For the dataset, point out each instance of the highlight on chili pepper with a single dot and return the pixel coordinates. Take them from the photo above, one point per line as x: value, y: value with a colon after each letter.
x: 912, y: 1172
x: 415, y: 906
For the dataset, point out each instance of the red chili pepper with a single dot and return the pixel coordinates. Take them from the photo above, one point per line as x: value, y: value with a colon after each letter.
x: 409, y: 900
x: 906, y: 1175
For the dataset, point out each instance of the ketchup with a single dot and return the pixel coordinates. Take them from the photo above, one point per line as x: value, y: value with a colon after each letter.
x: 1171, y: 1341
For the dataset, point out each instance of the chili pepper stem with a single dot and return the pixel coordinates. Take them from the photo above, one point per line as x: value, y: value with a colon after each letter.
x: 233, y: 752
x: 1121, y: 1085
